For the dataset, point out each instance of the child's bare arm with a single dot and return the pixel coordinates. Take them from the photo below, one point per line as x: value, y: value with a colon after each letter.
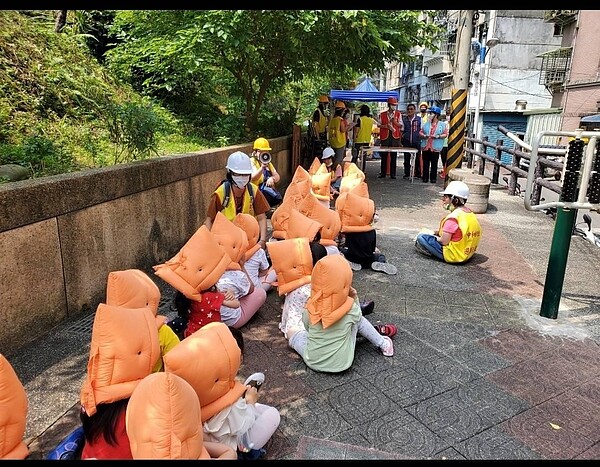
x: 231, y: 303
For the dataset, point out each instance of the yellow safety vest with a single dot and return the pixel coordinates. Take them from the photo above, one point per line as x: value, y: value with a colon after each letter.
x: 461, y: 251
x: 230, y: 210
x: 364, y: 130
x: 258, y: 165
x: 337, y: 138
x: 322, y: 123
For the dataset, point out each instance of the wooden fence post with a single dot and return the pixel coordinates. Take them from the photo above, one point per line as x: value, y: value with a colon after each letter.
x: 471, y: 145
x: 538, y: 172
x: 496, y: 172
x: 482, y: 160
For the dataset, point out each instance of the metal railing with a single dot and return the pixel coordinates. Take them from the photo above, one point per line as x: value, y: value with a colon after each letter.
x: 549, y: 164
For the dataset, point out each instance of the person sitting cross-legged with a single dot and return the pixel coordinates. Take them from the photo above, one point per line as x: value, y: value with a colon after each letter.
x: 459, y: 233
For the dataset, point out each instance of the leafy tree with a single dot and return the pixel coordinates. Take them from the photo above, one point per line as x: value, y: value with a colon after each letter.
x: 261, y: 51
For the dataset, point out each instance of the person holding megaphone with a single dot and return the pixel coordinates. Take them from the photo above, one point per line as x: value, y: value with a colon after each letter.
x: 264, y: 174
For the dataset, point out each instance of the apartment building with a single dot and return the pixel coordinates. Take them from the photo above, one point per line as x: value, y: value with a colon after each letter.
x: 571, y: 71
x: 505, y: 86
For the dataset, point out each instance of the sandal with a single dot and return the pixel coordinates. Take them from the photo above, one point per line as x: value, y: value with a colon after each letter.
x: 389, y: 330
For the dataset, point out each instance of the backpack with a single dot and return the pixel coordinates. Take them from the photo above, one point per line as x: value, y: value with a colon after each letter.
x: 227, y: 185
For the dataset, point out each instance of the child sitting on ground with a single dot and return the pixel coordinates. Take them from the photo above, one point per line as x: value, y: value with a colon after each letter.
x: 236, y: 279
x: 360, y: 237
x: 210, y: 360
x: 256, y: 262
x: 332, y: 319
x: 130, y: 334
x: 293, y: 260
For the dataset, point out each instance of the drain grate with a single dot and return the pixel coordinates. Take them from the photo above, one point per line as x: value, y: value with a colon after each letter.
x: 82, y: 326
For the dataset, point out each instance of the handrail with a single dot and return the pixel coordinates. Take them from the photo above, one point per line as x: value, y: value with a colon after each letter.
x: 541, y: 164
x: 538, y: 162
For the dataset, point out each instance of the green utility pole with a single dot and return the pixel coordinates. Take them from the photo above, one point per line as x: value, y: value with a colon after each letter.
x: 557, y: 263
x: 563, y: 229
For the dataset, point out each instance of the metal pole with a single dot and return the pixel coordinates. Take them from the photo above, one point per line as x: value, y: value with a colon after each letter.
x: 477, y: 106
x: 563, y: 227
x: 557, y: 263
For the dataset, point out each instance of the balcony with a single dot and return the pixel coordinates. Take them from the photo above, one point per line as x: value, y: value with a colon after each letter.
x: 555, y: 65
x: 438, y: 65
x: 560, y: 17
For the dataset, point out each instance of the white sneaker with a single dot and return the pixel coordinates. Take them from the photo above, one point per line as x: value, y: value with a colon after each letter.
x: 384, y: 267
x: 255, y: 380
x: 388, y: 347
x: 354, y: 266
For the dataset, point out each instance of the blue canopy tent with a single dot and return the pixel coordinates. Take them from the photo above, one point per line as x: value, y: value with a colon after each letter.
x: 365, y: 91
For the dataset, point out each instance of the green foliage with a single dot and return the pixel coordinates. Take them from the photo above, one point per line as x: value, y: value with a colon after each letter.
x: 56, y: 99
x: 93, y: 26
x: 262, y: 51
x: 209, y: 77
x: 133, y: 128
x: 40, y: 154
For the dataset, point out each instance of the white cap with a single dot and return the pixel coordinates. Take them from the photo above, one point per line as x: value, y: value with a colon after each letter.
x: 327, y: 153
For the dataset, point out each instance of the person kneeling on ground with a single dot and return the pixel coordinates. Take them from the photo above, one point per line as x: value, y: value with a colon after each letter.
x: 360, y: 236
x: 332, y: 319
x: 459, y: 233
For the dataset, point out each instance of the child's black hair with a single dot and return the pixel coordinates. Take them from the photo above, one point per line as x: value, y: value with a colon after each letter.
x: 239, y: 337
x: 182, y: 305
x: 317, y: 251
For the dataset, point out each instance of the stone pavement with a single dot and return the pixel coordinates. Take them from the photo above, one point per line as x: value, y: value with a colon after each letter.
x: 477, y: 373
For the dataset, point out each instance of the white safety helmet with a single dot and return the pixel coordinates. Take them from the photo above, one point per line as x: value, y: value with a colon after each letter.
x: 327, y: 153
x: 457, y: 188
x: 239, y: 162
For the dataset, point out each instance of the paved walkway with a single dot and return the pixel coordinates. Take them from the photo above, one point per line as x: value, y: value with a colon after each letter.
x: 477, y: 373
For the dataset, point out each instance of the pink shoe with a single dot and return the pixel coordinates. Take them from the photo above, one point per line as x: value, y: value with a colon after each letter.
x: 388, y: 347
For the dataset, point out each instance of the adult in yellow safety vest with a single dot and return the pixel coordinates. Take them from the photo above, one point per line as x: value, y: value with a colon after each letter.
x: 338, y: 132
x: 459, y: 233
x: 320, y: 118
x: 237, y: 194
x: 264, y: 173
x: 362, y: 131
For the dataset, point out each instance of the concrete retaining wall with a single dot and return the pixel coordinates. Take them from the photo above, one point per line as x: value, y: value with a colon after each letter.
x: 60, y: 236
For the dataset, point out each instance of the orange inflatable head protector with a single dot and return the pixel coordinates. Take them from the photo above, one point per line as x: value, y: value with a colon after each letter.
x: 249, y: 224
x: 330, y: 284
x: 328, y: 218
x: 356, y: 212
x: 163, y: 419
x: 292, y: 262
x: 232, y: 238
x: 209, y: 360
x: 132, y: 288
x: 197, y: 266
x: 123, y: 351
x: 13, y: 413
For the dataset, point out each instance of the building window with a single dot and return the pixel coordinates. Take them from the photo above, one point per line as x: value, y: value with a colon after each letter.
x: 558, y: 29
